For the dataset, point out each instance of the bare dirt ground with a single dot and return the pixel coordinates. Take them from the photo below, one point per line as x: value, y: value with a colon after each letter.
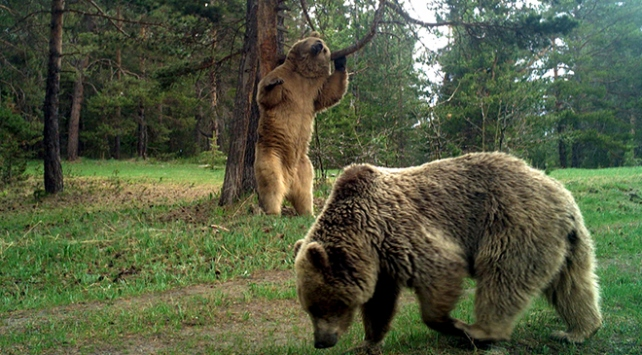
x: 237, y: 326
x: 279, y: 320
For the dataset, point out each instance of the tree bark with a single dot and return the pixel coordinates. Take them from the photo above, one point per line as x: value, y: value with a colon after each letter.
x: 117, y: 147
x: 76, y: 105
x: 53, y: 168
x: 214, y: 75
x: 235, y: 182
x: 142, y: 123
x: 561, y: 145
x: 633, y: 144
x: 142, y: 131
x: 267, y: 34
x: 119, y: 71
x: 248, y: 183
x: 561, y: 125
x: 576, y: 149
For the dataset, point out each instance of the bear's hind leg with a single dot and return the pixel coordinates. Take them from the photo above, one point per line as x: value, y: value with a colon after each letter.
x: 496, y: 310
x: 574, y: 293
x: 511, y: 268
x: 270, y: 183
x: 437, y: 301
x: 300, y: 194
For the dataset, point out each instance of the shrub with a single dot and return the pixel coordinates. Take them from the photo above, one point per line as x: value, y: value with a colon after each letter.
x: 16, y: 135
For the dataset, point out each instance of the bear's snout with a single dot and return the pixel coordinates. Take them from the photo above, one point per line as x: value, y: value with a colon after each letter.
x: 316, y: 48
x: 323, y: 341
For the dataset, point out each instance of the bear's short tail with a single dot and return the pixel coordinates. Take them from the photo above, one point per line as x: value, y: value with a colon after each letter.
x: 575, y: 292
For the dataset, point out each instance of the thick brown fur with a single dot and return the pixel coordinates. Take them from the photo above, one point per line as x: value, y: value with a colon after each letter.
x: 289, y: 97
x: 487, y: 216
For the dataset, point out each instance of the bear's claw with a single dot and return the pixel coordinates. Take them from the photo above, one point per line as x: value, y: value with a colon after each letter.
x: 274, y: 82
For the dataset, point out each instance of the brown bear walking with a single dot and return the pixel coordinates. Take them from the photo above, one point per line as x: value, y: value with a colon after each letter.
x: 487, y: 216
x: 288, y: 97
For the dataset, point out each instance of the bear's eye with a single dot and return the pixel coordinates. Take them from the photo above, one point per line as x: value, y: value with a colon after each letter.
x: 331, y: 309
x: 315, y: 311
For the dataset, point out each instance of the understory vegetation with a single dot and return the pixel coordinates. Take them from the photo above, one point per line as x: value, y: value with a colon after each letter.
x: 137, y: 257
x: 555, y: 81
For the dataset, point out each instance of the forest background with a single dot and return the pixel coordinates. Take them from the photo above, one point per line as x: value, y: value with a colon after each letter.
x: 556, y: 82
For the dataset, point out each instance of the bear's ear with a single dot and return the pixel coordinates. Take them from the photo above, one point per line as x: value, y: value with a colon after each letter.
x: 297, y: 247
x: 318, y: 257
x: 315, y: 34
x: 355, y: 180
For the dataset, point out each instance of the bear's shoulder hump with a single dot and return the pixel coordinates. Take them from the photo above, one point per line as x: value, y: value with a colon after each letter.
x: 356, y: 179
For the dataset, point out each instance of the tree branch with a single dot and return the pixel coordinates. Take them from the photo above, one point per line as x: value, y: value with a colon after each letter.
x: 7, y: 9
x: 467, y: 25
x: 112, y: 18
x: 401, y: 12
x: 210, y: 62
x: 304, y: 7
x: 168, y: 75
x: 368, y: 37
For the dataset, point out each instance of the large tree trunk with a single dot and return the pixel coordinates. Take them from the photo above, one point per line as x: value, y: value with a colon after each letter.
x: 248, y: 182
x: 633, y: 141
x: 76, y: 105
x: 119, y: 71
x: 561, y: 145
x: 214, y: 71
x: 117, y: 147
x: 267, y: 35
x: 561, y: 125
x: 234, y: 184
x: 142, y: 121
x: 576, y: 153
x: 267, y: 32
x: 142, y: 131
x: 53, y: 167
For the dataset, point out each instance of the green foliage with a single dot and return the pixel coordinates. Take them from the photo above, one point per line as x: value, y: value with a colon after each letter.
x: 596, y: 100
x: 487, y: 101
x: 213, y: 157
x: 165, y: 79
x: 375, y: 121
x: 15, y: 135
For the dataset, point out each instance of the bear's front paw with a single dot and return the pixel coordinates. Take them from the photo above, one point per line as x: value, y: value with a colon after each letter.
x: 482, y: 336
x: 273, y: 82
x: 568, y: 337
x: 340, y: 64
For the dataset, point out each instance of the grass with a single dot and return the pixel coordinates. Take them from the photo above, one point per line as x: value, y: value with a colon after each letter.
x: 137, y: 257
x: 138, y: 169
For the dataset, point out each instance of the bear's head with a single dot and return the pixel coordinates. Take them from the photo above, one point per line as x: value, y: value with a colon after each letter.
x: 310, y: 57
x: 330, y: 303
x: 336, y: 264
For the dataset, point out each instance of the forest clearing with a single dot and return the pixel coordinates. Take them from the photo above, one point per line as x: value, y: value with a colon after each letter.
x: 129, y: 216
x: 138, y: 258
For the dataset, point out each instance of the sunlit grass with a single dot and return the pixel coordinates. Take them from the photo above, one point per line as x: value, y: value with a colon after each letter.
x: 134, y: 169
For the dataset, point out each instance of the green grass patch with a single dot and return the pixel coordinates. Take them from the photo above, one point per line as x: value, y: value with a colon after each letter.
x: 135, y: 169
x: 138, y: 257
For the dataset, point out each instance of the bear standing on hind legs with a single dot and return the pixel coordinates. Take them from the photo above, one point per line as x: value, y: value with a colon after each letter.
x: 487, y: 216
x: 289, y: 97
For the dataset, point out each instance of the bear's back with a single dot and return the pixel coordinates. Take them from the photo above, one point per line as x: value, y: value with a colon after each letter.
x: 466, y: 197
